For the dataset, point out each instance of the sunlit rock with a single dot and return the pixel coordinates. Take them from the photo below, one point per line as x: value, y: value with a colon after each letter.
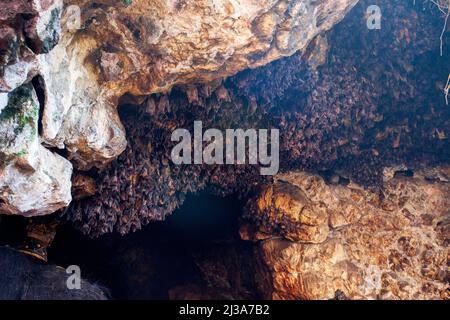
x: 389, y: 246
x: 33, y: 180
x: 149, y: 46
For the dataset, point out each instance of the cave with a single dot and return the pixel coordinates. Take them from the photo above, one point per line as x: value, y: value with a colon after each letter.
x: 196, y: 253
x: 357, y: 117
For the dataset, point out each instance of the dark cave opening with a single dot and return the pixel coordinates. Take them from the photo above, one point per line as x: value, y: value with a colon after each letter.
x: 345, y: 122
x: 172, y: 259
x: 12, y: 230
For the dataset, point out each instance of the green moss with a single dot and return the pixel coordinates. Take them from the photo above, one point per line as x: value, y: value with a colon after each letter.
x: 52, y: 29
x: 9, y: 112
x: 10, y: 53
x: 22, y: 153
x: 17, y: 112
x: 127, y: 2
x: 16, y: 100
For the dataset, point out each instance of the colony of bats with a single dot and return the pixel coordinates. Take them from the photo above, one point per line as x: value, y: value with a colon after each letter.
x: 377, y: 101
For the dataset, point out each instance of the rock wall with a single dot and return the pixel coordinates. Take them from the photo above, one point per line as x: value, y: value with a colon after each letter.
x: 333, y: 118
x: 316, y: 237
x: 108, y: 50
x: 319, y: 240
x: 147, y: 47
x: 33, y: 180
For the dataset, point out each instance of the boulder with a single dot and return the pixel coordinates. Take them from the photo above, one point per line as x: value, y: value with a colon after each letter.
x: 33, y: 180
x: 388, y: 245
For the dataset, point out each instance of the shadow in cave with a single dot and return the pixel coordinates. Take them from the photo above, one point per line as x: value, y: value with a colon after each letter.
x: 12, y: 230
x: 195, y: 253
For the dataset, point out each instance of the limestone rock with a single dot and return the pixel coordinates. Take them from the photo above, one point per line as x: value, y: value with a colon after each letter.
x: 393, y: 245
x: 116, y: 50
x: 19, y: 123
x: 89, y: 129
x: 292, y: 213
x: 93, y: 135
x: 33, y: 180
x: 120, y: 49
x: 150, y: 46
x: 317, y: 52
x: 82, y: 186
x: 23, y: 70
x: 43, y: 30
x: 27, y: 28
x: 3, y: 100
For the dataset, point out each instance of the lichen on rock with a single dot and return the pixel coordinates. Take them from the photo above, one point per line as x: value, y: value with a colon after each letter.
x: 33, y: 180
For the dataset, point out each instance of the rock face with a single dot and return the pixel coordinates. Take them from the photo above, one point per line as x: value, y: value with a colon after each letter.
x: 77, y: 117
x: 369, y: 245
x: 145, y: 47
x: 149, y: 46
x: 33, y: 180
x: 27, y: 28
x: 108, y: 50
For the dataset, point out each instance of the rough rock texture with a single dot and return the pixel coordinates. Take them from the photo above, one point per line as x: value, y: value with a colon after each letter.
x: 90, y: 130
x: 82, y: 186
x: 388, y: 245
x: 290, y: 209
x: 25, y: 278
x: 152, y: 45
x: 33, y: 180
x: 27, y: 28
x: 338, y: 118
x: 110, y: 49
x: 149, y: 46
